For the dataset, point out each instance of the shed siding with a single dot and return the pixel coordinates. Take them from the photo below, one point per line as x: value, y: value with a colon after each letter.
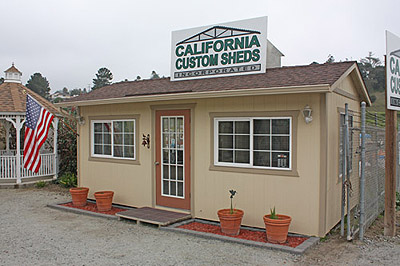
x: 334, y: 184
x: 297, y: 196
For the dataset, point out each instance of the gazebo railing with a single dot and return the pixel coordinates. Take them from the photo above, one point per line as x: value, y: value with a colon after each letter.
x: 8, y: 167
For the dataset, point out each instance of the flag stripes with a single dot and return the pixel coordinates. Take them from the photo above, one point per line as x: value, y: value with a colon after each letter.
x: 37, y: 125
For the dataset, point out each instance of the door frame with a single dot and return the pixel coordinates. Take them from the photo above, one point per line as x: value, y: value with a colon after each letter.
x: 178, y: 108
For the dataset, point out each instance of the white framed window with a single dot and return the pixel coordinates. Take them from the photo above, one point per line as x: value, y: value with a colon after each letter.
x: 253, y: 142
x: 113, y: 139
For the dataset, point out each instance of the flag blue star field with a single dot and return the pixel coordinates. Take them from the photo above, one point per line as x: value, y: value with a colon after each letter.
x: 38, y: 121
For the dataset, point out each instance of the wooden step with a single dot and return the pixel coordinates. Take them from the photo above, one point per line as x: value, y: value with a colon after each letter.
x: 153, y: 216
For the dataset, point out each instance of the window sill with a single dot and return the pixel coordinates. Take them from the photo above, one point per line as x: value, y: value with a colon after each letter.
x: 113, y: 160
x: 271, y: 172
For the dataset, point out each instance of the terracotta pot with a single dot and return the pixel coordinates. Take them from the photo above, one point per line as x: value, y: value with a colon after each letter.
x: 104, y: 200
x: 277, y: 229
x: 230, y: 223
x: 79, y: 195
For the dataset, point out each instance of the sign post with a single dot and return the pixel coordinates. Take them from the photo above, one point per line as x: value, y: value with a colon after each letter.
x: 392, y: 62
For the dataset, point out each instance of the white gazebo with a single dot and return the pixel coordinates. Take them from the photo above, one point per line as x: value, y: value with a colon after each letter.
x: 12, y: 119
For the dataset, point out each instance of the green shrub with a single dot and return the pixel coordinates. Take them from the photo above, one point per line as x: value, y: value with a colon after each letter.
x: 67, y: 145
x: 41, y: 184
x: 68, y: 180
x: 397, y: 201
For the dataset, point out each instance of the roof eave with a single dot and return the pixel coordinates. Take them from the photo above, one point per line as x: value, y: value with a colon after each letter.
x: 363, y: 89
x: 199, y: 95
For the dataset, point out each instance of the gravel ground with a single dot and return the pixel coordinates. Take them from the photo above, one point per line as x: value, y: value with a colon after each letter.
x: 33, y: 234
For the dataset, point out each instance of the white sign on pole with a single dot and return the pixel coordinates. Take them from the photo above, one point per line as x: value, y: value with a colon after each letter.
x: 393, y: 71
x: 225, y: 49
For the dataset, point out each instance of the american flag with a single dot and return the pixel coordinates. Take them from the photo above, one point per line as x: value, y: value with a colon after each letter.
x: 37, y: 125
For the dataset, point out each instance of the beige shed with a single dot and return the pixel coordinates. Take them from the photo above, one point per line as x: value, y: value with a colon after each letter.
x: 207, y: 136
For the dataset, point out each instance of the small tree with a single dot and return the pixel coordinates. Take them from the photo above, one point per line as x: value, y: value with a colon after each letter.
x: 330, y: 59
x: 154, y: 75
x: 1, y: 80
x: 103, y: 78
x: 77, y: 92
x: 39, y: 84
x: 373, y: 72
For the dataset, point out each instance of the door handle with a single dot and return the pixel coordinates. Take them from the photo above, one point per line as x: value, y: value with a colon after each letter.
x: 156, y: 163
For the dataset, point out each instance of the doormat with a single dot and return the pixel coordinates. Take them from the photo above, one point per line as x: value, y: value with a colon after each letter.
x: 250, y: 236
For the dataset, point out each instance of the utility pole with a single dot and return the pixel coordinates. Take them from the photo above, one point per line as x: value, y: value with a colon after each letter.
x: 390, y: 172
x: 392, y: 102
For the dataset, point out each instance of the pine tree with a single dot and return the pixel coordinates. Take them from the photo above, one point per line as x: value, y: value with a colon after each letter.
x: 373, y: 72
x: 39, y: 84
x: 103, y: 78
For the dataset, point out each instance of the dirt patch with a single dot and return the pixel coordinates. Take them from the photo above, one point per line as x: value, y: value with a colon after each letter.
x: 376, y: 248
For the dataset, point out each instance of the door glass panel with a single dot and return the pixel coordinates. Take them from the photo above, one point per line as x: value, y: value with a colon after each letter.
x: 165, y: 173
x: 180, y: 158
x: 165, y: 124
x: 172, y: 124
x: 179, y: 143
x: 180, y: 125
x: 173, y: 172
x: 173, y: 188
x: 172, y: 159
x: 180, y: 189
x: 180, y: 172
x: 172, y: 156
x: 165, y: 140
x: 165, y: 156
x: 172, y: 141
x: 165, y: 187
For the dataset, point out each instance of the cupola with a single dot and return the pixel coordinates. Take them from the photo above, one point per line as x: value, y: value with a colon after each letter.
x: 13, y: 75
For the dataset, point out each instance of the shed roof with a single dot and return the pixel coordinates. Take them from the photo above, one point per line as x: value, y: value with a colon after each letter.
x: 281, y: 77
x: 13, y: 99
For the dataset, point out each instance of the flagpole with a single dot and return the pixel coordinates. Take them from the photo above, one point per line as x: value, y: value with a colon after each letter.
x: 70, y: 128
x: 24, y: 91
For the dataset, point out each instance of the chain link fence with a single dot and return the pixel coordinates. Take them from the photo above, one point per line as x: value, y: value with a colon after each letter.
x: 363, y: 190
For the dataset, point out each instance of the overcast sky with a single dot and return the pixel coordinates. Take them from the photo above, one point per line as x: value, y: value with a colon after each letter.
x: 68, y: 41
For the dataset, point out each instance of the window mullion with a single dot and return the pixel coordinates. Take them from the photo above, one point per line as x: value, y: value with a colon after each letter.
x: 234, y: 141
x: 251, y: 149
x: 270, y: 142
x: 112, y: 138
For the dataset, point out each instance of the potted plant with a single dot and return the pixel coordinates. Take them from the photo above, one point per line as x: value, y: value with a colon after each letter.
x: 79, y: 195
x: 230, y: 219
x: 276, y: 226
x: 104, y: 200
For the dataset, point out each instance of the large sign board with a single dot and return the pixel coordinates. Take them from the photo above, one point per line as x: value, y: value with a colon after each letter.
x: 225, y: 49
x: 393, y: 71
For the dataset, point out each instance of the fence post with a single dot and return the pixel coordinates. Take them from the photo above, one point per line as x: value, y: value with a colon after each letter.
x: 347, y: 171
x: 343, y: 178
x: 362, y: 178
